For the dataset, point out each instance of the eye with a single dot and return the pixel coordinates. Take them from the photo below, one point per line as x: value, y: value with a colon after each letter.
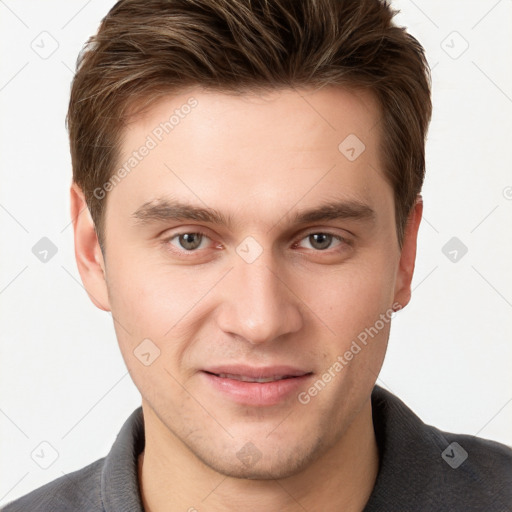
x: 188, y: 241
x: 321, y: 241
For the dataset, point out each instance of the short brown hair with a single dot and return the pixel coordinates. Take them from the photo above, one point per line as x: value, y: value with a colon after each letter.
x: 147, y: 48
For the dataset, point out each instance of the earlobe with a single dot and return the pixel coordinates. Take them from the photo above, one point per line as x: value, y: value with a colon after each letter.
x: 408, y: 255
x: 89, y: 257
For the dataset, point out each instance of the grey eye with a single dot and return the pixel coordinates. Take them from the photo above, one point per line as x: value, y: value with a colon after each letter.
x: 320, y: 241
x: 190, y: 241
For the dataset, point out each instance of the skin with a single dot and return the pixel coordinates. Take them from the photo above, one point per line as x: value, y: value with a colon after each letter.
x: 258, y: 159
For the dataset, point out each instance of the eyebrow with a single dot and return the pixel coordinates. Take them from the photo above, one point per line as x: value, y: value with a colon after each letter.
x: 165, y: 210
x: 336, y: 210
x: 168, y: 210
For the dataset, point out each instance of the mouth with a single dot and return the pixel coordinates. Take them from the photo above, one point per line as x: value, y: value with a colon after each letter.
x: 247, y: 385
x: 247, y: 378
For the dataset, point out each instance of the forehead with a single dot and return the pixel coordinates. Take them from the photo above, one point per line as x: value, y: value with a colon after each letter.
x: 307, y: 117
x: 253, y: 153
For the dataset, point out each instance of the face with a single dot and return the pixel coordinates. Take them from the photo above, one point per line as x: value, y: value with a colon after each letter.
x: 251, y: 266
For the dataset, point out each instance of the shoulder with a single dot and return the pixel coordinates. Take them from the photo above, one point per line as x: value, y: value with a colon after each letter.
x: 108, y: 483
x: 477, y: 472
x: 424, y: 468
x: 78, y: 491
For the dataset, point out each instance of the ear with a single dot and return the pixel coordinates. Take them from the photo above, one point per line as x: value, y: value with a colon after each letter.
x: 408, y: 255
x: 89, y: 257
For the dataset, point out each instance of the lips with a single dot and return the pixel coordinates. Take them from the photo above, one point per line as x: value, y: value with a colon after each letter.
x: 246, y: 378
x: 256, y: 374
x: 249, y: 385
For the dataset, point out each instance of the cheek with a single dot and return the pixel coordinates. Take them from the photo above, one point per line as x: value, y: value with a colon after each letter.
x: 147, y: 304
x: 153, y: 296
x: 351, y: 297
x: 152, y: 300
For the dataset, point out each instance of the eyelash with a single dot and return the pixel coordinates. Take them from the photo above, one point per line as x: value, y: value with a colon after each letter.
x: 339, y: 238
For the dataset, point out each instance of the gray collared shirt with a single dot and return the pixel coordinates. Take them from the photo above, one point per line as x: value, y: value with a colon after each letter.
x: 421, y: 469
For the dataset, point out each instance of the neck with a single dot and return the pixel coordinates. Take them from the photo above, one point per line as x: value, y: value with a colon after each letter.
x: 172, y: 479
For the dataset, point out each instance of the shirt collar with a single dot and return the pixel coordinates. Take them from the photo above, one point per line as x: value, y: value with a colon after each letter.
x: 119, y: 477
x: 409, y: 454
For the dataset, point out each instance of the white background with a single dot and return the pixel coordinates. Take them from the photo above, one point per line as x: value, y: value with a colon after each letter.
x: 62, y: 379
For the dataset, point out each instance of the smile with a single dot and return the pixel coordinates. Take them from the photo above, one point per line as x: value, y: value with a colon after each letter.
x: 245, y: 378
x: 253, y: 386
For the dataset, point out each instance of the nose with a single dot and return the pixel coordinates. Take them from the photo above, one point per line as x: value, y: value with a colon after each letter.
x: 258, y: 305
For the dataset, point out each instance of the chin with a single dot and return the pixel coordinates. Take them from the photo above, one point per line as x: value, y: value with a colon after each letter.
x: 270, y: 463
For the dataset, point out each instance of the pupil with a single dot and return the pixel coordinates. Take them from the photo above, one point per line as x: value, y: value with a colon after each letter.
x: 190, y: 240
x: 321, y: 240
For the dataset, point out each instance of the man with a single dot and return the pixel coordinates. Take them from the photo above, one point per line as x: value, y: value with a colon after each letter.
x: 246, y: 202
